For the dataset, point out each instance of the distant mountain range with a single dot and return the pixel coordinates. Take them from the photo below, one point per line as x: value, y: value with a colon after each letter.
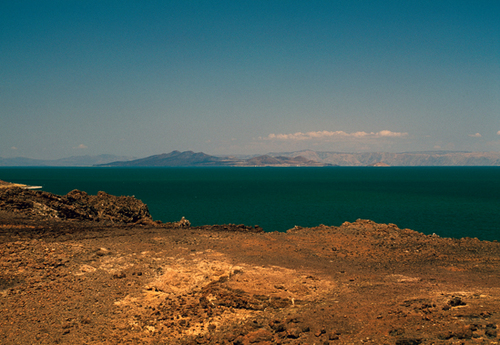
x: 423, y: 158
x: 296, y: 158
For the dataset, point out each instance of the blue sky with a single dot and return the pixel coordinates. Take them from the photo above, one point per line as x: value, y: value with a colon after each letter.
x: 144, y: 77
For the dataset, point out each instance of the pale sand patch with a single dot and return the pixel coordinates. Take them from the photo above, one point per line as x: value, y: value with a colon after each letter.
x: 192, y: 279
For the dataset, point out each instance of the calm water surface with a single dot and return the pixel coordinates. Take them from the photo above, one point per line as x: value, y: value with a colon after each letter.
x: 448, y: 201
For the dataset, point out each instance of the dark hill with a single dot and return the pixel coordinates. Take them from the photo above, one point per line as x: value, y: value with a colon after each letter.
x: 190, y: 158
x: 174, y: 158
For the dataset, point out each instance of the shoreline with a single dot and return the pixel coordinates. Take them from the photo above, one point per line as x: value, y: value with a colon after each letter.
x: 4, y: 184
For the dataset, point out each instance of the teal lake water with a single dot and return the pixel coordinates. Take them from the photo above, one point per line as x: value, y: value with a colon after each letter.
x: 448, y: 201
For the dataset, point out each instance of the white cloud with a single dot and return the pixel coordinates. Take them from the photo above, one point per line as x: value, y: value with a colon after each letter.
x: 498, y: 132
x: 387, y: 133
x: 331, y: 135
x: 477, y: 135
x: 81, y: 146
x: 13, y: 148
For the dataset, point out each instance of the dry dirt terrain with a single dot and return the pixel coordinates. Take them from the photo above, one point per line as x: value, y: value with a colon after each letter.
x: 95, y: 278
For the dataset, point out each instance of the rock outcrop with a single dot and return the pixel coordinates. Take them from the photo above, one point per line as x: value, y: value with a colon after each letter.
x: 75, y: 205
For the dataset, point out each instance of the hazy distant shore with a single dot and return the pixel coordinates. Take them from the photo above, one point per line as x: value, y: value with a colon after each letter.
x: 283, y: 159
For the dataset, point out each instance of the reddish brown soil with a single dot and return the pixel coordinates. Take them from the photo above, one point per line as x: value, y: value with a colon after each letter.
x: 81, y: 282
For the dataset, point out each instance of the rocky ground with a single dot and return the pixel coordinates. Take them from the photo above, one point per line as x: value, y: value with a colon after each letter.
x: 69, y: 278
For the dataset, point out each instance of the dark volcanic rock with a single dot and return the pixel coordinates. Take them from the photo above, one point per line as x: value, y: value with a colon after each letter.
x: 456, y: 301
x: 75, y: 205
x: 232, y: 227
x: 409, y: 341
